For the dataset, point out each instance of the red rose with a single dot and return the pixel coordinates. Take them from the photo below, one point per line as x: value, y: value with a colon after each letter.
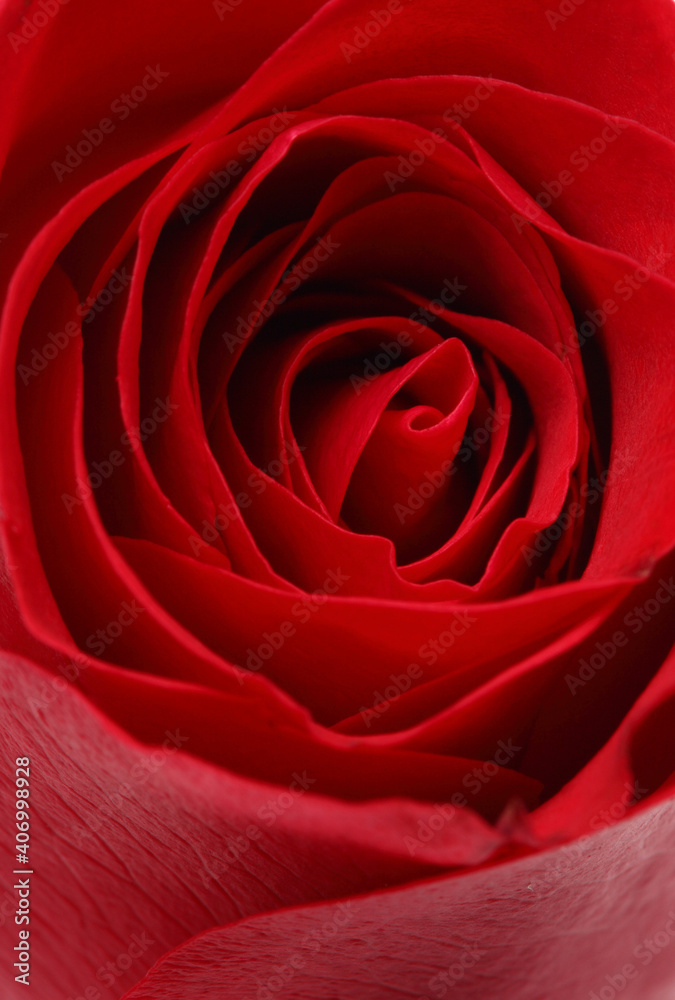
x: 335, y: 479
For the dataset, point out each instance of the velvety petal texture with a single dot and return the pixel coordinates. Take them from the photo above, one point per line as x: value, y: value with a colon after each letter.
x: 336, y: 477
